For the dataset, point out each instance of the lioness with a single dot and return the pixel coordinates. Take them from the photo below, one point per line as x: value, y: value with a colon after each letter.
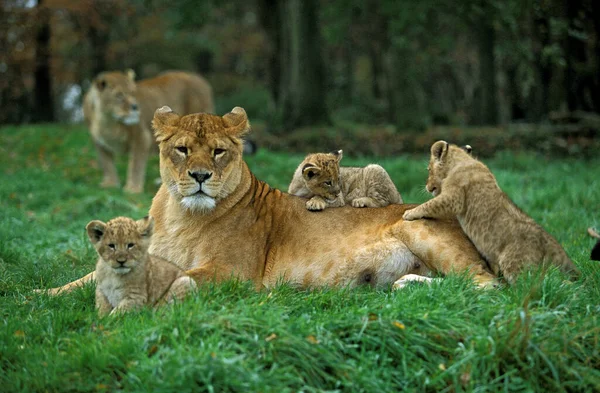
x: 215, y: 219
x: 118, y: 112
x: 320, y: 178
x: 464, y: 188
x: 127, y: 276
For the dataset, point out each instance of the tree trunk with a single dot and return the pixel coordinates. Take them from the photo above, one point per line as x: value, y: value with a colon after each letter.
x: 269, y: 14
x: 302, y: 89
x: 43, y: 104
x: 488, y: 111
x: 576, y: 57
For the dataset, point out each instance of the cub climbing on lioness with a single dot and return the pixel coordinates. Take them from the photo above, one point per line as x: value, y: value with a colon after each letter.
x: 506, y: 237
x: 320, y: 178
x: 127, y: 275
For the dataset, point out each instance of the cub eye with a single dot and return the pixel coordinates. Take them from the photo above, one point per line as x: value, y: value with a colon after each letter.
x: 182, y: 149
x: 218, y: 152
x: 111, y: 246
x: 130, y: 245
x: 327, y: 183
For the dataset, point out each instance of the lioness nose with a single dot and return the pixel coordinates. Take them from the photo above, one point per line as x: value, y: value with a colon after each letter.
x: 200, y: 176
x: 134, y: 107
x: 121, y: 261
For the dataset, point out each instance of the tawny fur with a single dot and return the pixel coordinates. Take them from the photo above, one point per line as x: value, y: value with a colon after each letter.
x: 118, y: 111
x: 127, y: 276
x: 216, y: 220
x: 321, y: 179
x: 464, y: 188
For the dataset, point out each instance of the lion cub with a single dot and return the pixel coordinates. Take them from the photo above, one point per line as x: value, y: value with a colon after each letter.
x: 320, y: 178
x: 127, y: 276
x: 508, y: 239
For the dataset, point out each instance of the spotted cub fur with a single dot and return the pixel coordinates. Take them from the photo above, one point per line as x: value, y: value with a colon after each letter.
x: 321, y: 179
x: 127, y: 275
x: 464, y: 188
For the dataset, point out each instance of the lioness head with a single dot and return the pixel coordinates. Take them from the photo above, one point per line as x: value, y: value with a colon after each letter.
x: 116, y: 96
x: 200, y: 155
x: 122, y: 243
x: 443, y: 157
x: 321, y: 173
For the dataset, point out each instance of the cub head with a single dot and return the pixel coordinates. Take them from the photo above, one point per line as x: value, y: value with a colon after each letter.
x: 200, y: 155
x: 115, y: 93
x: 122, y: 243
x: 321, y: 174
x: 443, y: 157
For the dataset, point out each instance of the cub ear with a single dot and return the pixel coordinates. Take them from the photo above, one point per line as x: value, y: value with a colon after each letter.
x: 130, y: 74
x: 145, y: 226
x: 237, y: 122
x: 468, y: 149
x: 439, y: 150
x: 164, y: 123
x: 339, y: 154
x: 95, y: 230
x: 100, y: 84
x: 309, y: 171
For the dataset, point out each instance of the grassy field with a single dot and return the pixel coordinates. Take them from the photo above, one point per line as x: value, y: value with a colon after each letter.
x: 535, y: 336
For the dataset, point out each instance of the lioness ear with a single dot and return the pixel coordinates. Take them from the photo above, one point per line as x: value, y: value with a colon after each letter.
x: 100, y: 84
x: 145, y: 226
x: 338, y: 154
x: 164, y: 123
x: 439, y: 150
x: 309, y: 171
x: 237, y: 122
x: 95, y: 230
x: 130, y: 74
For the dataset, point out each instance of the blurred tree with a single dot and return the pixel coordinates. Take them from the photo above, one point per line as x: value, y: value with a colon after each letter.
x: 43, y: 97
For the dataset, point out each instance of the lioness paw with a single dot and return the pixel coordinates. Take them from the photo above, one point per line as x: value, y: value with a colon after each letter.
x: 316, y: 204
x: 407, y: 279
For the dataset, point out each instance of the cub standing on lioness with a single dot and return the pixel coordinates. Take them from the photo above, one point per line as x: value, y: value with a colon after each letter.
x: 119, y: 111
x: 127, y: 276
x: 509, y: 239
x: 320, y: 178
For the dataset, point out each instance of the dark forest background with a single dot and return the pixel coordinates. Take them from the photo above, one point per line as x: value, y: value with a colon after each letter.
x: 297, y: 64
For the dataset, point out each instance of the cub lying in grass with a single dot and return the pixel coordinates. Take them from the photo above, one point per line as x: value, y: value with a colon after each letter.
x: 127, y: 275
x: 509, y: 239
x: 320, y: 178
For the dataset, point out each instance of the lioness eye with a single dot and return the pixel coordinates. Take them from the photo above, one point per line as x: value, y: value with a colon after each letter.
x: 130, y: 245
x: 111, y: 246
x: 327, y: 183
x: 182, y: 149
x: 218, y: 152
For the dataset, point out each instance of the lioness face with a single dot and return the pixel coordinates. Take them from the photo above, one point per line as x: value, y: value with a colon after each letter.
x: 116, y: 92
x: 121, y: 242
x: 200, y: 155
x: 321, y: 173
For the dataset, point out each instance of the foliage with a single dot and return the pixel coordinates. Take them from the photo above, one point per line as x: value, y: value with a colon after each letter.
x: 540, y: 335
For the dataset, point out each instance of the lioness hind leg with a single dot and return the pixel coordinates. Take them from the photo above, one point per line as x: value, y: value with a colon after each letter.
x: 106, y: 159
x: 70, y: 286
x: 180, y: 288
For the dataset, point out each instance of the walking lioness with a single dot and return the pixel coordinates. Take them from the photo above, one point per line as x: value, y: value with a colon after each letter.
x: 118, y: 111
x: 216, y: 220
x: 464, y: 188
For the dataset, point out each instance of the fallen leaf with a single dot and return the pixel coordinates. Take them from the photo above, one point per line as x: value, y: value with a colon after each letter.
x: 373, y: 317
x: 442, y: 366
x: 153, y: 349
x: 19, y: 333
x: 271, y: 337
x: 399, y: 325
x: 312, y: 339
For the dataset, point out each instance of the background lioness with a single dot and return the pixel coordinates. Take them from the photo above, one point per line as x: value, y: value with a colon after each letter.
x: 320, y: 178
x: 465, y: 188
x: 119, y: 110
x: 127, y: 276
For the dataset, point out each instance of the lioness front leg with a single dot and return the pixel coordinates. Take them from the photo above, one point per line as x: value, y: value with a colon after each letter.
x: 106, y: 159
x: 444, y: 206
x: 180, y: 288
x: 128, y: 304
x: 102, y: 304
x: 138, y: 159
x: 316, y: 203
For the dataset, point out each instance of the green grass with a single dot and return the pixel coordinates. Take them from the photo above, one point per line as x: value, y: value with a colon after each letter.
x: 447, y: 337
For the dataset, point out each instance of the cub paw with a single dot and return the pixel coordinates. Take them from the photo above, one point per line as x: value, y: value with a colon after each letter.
x: 409, y: 215
x: 315, y: 204
x: 363, y: 202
